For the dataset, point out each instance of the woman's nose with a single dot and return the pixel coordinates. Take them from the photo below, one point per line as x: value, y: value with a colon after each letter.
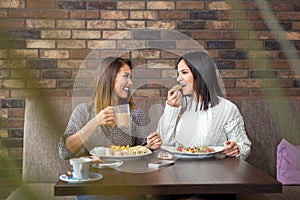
x: 130, y: 81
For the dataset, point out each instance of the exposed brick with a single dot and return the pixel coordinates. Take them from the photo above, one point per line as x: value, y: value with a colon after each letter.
x: 255, y: 15
x: 70, y: 24
x: 12, y: 44
x: 42, y: 44
x: 218, y: 5
x: 260, y: 54
x: 264, y: 92
x: 143, y: 14
x: 84, y: 34
x: 53, y: 34
x: 288, y: 16
x: 233, y: 15
x: 146, y: 54
x: 288, y: 54
x: 146, y: 35
x: 263, y: 74
x: 130, y: 24
x: 12, y: 83
x: 101, y: 24
x: 54, y: 54
x: 296, y: 26
x: 53, y: 14
x: 291, y: 92
x: 65, y: 84
x: 3, y: 14
x: 229, y: 83
x: 190, y: 25
x: 56, y: 93
x: 4, y: 74
x: 56, y: 74
x: 189, y: 5
x: 161, y: 64
x: 12, y: 23
x: 169, y: 73
x: 42, y: 64
x: 253, y: 25
x: 225, y: 64
x: 261, y: 35
x: 233, y: 54
x: 297, y: 6
x: 272, y: 45
x: 179, y: 15
x: 71, y: 5
x: 3, y: 113
x: 24, y: 74
x: 130, y: 44
x: 284, y: 25
x: 204, y: 15
x: 23, y: 53
x: 16, y: 113
x: 220, y: 45
x: 101, y: 5
x: 229, y: 73
x: 40, y: 23
x: 79, y: 54
x: 131, y: 5
x: 292, y: 35
x: 115, y: 34
x: 245, y: 83
x: 85, y: 14
x: 249, y: 44
x: 40, y: 4
x: 69, y: 64
x: 25, y: 14
x: 29, y: 34
x: 12, y: 4
x: 162, y: 44
x: 219, y: 25
x: 3, y: 53
x: 147, y: 93
x: 13, y: 103
x: 161, y: 24
x: 206, y: 34
x: 288, y: 74
x: 297, y: 83
x: 114, y: 14
x: 4, y: 94
x: 279, y: 64
x: 42, y: 83
x: 160, y: 5
x: 71, y: 44
x: 101, y: 44
x: 16, y: 153
x: 146, y: 73
x: 3, y: 133
x: 16, y: 133
x: 275, y: 83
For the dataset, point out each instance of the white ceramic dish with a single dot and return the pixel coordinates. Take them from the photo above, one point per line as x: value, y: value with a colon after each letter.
x: 180, y: 154
x: 95, y: 152
x: 92, y: 177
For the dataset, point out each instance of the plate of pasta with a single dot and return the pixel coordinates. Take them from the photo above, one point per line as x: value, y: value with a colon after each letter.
x: 194, y: 152
x: 120, y: 152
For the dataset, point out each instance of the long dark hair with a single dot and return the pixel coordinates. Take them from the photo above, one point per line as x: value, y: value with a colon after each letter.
x: 206, y: 83
x: 106, y: 74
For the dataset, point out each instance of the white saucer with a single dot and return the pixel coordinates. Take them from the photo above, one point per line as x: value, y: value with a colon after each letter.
x: 93, y: 177
x: 108, y: 163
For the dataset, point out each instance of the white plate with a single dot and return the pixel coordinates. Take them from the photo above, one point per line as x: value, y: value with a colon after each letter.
x: 95, y: 153
x: 181, y: 154
x: 108, y: 163
x: 93, y: 177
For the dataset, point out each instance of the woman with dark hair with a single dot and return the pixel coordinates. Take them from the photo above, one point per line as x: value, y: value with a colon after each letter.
x: 93, y: 124
x: 198, y: 114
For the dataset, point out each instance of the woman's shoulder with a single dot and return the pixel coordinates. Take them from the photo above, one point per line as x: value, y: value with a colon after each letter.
x: 87, y: 107
x: 226, y: 103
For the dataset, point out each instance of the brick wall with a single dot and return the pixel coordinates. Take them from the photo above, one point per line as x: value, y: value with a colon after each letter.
x: 44, y: 44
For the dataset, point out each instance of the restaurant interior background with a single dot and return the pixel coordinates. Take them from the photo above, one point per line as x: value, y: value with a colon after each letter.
x: 255, y: 44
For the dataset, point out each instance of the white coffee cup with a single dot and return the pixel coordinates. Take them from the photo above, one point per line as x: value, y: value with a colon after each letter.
x: 80, y: 167
x: 122, y: 115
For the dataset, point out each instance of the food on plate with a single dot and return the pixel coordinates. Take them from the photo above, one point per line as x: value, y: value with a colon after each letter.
x: 117, y: 150
x: 197, y: 149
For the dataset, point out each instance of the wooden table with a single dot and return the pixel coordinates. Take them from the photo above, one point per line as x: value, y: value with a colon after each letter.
x: 186, y: 176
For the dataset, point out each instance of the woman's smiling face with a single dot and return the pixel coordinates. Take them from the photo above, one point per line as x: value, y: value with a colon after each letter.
x: 123, y: 82
x: 185, y: 77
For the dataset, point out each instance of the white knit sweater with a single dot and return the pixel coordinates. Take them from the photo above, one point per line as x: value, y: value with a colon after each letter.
x: 211, y: 127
